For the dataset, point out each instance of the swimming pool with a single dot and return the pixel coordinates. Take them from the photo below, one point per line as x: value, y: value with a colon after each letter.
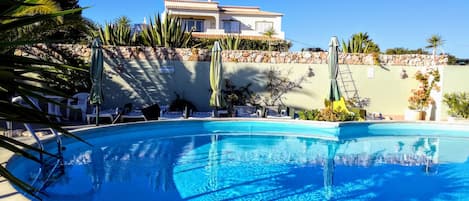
x: 263, y: 160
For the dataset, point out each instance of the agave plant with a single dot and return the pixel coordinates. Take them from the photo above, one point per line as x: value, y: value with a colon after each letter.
x: 230, y: 42
x: 15, y: 79
x: 116, y: 34
x: 360, y: 43
x: 168, y: 32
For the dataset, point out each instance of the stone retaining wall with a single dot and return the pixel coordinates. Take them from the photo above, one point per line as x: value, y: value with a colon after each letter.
x: 241, y: 56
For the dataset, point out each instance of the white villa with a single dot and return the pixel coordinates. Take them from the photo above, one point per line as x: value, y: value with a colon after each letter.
x: 211, y: 20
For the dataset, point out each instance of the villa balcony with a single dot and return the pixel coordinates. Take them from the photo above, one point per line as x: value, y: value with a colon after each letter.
x: 248, y: 34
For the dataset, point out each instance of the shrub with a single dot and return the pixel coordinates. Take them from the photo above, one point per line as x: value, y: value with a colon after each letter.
x: 420, y: 98
x: 179, y: 104
x: 235, y: 95
x: 458, y: 104
x: 309, y: 115
x: 327, y: 114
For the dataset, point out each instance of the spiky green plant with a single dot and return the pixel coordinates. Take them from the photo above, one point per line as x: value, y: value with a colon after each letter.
x: 117, y: 33
x: 360, y: 43
x: 230, y: 42
x: 168, y: 32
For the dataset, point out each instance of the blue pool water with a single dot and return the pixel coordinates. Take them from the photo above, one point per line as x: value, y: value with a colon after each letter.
x: 254, y: 160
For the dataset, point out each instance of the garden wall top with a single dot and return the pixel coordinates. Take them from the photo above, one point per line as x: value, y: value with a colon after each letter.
x: 251, y: 56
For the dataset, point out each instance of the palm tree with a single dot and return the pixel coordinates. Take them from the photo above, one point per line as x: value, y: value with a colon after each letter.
x: 434, y: 42
x: 123, y: 21
x: 15, y: 78
x: 269, y: 33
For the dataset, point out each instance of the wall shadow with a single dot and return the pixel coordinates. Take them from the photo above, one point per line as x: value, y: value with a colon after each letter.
x: 142, y: 79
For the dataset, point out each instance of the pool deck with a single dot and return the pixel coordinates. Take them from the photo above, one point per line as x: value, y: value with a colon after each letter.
x: 8, y: 193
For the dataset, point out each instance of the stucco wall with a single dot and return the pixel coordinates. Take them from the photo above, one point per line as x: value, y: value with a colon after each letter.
x: 133, y: 75
x: 141, y: 82
x: 454, y: 79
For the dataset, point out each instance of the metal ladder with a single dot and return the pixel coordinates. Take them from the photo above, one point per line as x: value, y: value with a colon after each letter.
x: 348, y: 86
x: 50, y: 167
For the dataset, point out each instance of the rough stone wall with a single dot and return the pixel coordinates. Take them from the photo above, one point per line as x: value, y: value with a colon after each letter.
x: 241, y: 56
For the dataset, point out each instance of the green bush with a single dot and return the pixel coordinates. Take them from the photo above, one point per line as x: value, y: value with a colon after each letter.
x: 458, y: 104
x: 179, y: 104
x: 327, y: 114
x: 241, y: 44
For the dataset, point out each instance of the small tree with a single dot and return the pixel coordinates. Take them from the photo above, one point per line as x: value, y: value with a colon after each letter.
x: 434, y: 42
x: 270, y: 33
x: 278, y: 85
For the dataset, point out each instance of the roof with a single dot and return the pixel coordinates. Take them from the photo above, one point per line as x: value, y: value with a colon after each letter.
x: 246, y: 10
x: 213, y: 6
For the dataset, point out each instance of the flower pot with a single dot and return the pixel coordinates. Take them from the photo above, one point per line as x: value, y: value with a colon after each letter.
x: 414, y: 115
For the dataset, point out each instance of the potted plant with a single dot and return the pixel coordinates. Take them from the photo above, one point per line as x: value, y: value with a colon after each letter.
x: 420, y: 99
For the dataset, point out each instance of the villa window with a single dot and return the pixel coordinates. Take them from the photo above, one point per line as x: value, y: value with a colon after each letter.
x: 196, y: 25
x: 231, y: 26
x: 263, y: 26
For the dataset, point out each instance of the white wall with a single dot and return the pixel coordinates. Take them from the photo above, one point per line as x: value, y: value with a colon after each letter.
x: 248, y: 23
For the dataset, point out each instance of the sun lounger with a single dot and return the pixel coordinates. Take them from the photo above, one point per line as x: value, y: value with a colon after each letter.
x: 201, y: 115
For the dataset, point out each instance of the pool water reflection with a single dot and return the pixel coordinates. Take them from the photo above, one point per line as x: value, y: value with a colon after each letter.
x: 251, y: 167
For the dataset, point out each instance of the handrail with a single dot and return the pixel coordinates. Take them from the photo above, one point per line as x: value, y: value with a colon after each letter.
x: 42, y: 169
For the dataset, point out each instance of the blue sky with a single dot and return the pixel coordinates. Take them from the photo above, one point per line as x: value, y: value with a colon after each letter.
x: 308, y: 23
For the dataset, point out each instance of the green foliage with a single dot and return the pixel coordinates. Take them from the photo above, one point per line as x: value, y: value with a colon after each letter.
x: 420, y: 98
x: 167, y: 33
x: 452, y: 60
x: 179, y: 104
x: 117, y: 33
x: 235, y: 95
x: 70, y: 28
x: 244, y: 44
x: 434, y: 41
x: 458, y: 104
x: 327, y: 114
x: 309, y: 115
x: 15, y: 79
x: 401, y: 50
x: 360, y: 43
x: 269, y: 33
x: 230, y: 42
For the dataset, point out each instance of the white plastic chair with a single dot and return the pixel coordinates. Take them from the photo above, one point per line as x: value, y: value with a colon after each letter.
x: 109, y: 113
x: 79, y: 101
